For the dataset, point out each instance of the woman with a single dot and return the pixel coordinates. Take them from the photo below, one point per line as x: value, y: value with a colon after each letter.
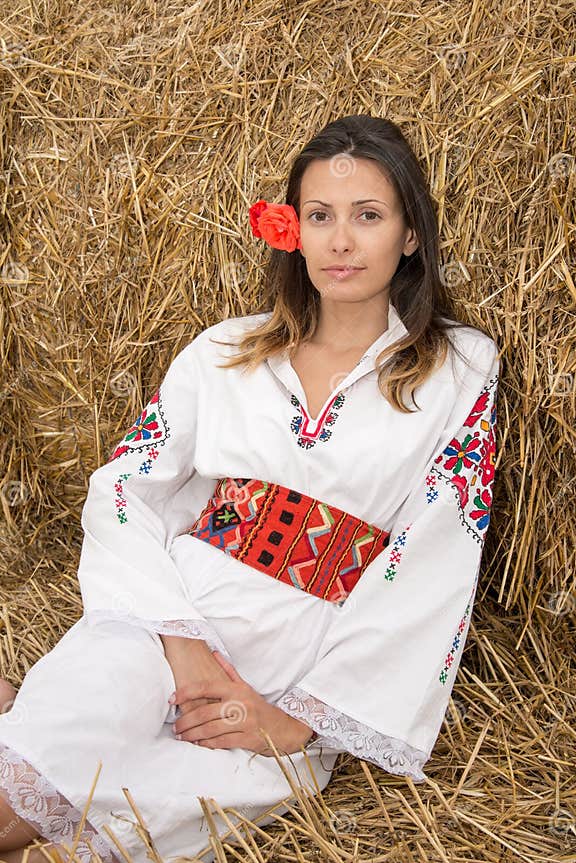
x: 290, y: 538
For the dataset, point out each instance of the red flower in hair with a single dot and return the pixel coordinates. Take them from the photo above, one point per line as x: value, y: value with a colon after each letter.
x: 277, y: 224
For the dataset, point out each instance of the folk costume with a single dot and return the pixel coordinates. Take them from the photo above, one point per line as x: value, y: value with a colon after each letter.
x: 333, y: 560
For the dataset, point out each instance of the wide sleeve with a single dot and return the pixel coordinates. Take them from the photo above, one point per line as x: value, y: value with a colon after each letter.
x: 381, y: 683
x: 137, y: 502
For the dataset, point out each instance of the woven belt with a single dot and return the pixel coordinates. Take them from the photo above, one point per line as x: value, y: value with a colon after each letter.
x: 297, y: 539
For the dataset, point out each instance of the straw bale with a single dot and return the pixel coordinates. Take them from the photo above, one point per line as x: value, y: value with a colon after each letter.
x: 134, y: 136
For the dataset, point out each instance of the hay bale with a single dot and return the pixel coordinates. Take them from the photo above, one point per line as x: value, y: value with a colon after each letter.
x: 134, y: 138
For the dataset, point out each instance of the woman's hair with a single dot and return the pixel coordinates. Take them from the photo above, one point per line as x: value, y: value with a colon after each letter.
x: 416, y: 289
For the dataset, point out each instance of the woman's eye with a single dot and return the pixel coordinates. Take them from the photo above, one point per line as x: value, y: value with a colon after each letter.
x: 363, y: 213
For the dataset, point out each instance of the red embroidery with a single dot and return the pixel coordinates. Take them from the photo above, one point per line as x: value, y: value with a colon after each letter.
x: 294, y: 538
x: 467, y: 465
x: 302, y: 425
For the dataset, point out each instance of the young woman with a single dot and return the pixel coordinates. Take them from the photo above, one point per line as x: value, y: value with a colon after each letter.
x: 289, y: 535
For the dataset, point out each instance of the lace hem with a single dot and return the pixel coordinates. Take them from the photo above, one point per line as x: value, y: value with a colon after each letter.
x: 337, y: 730
x: 187, y: 628
x: 40, y: 804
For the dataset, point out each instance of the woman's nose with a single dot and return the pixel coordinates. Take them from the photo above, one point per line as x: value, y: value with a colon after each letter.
x: 341, y: 238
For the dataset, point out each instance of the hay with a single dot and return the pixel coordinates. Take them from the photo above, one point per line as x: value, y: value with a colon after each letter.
x: 134, y: 138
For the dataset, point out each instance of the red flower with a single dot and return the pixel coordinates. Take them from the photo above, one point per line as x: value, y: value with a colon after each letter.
x: 277, y: 224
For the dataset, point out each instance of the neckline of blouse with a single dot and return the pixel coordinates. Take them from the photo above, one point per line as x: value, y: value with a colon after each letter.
x: 284, y: 370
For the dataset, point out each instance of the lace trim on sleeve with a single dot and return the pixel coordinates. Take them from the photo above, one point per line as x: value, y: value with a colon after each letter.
x: 40, y: 804
x: 187, y: 628
x: 339, y: 731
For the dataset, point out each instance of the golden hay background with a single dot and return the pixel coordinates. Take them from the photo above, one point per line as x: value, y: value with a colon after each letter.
x: 135, y: 135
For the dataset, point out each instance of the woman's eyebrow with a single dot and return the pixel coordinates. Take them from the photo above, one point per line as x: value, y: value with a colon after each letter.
x: 354, y: 203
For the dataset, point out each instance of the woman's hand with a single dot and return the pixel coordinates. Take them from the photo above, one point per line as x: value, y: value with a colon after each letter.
x: 235, y: 719
x: 191, y: 661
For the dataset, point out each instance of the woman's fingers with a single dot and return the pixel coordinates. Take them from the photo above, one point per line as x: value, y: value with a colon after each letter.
x: 219, y: 688
x: 227, y: 666
x: 204, y: 721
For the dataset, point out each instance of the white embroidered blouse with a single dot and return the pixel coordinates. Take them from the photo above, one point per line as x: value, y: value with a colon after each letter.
x: 372, y: 676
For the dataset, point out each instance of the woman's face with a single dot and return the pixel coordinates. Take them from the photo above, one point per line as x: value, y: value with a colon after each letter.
x: 336, y: 230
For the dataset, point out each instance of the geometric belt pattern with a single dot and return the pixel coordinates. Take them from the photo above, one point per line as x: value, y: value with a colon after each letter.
x: 290, y: 536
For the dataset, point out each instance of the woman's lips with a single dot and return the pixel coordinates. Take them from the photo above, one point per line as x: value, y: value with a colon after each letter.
x: 342, y: 272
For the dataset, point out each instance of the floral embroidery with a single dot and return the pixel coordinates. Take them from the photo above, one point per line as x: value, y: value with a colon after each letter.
x: 301, y: 425
x: 395, y: 554
x: 149, y: 428
x: 467, y: 464
x: 149, y: 431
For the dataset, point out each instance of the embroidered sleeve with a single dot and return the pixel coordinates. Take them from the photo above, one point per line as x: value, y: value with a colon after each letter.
x: 137, y: 502
x: 382, y: 682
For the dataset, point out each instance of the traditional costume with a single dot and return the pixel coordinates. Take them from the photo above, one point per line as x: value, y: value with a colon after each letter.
x: 333, y: 560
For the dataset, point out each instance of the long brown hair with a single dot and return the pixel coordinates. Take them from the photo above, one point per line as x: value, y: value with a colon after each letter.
x: 416, y: 289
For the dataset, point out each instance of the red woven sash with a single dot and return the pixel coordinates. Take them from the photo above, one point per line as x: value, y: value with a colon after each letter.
x: 297, y: 539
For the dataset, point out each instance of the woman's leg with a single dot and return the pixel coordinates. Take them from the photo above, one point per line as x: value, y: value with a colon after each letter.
x: 34, y: 855
x: 79, y: 711
x: 7, y: 695
x: 14, y: 831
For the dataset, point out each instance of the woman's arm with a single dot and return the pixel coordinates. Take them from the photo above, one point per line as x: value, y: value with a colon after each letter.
x: 191, y: 661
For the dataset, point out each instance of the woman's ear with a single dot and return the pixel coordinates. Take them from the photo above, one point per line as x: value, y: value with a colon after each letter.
x: 411, y: 243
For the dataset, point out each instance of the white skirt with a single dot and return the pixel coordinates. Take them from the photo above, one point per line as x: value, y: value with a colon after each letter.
x: 100, y: 696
